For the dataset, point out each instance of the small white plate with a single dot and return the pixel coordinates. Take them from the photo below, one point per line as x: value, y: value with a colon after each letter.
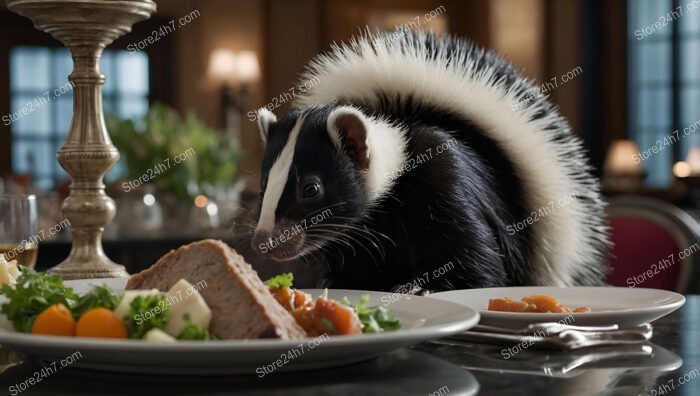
x: 422, y: 319
x: 609, y: 305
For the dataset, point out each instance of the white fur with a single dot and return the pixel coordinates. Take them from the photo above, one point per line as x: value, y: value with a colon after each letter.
x: 265, y: 119
x: 277, y: 180
x: 549, y: 170
x: 386, y: 147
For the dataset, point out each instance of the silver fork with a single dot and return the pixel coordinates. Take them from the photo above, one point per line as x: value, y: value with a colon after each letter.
x: 549, y: 327
x: 564, y: 339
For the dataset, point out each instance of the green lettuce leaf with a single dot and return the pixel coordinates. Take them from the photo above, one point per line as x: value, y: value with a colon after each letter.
x: 34, y: 293
x: 375, y: 319
x: 98, y: 296
x: 280, y: 281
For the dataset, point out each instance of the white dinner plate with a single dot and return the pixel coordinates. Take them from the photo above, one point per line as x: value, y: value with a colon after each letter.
x: 623, y: 306
x: 422, y: 319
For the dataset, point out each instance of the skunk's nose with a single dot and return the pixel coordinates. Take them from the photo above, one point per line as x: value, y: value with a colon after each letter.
x: 262, y: 242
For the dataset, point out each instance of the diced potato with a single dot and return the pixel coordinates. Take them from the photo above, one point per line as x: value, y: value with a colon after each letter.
x: 158, y: 336
x: 5, y: 323
x: 184, y: 299
x: 8, y: 271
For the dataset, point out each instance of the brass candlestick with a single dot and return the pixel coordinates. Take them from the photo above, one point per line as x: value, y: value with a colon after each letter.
x: 86, y: 27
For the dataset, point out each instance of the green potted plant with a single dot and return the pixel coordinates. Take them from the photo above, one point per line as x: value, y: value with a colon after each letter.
x: 180, y: 157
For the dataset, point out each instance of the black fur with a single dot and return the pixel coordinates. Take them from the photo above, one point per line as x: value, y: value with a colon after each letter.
x: 453, y: 208
x: 441, y: 226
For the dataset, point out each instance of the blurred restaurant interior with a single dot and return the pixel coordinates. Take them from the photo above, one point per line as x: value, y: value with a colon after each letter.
x: 181, y: 90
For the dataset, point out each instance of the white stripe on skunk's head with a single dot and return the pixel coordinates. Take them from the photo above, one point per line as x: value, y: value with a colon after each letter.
x: 322, y: 168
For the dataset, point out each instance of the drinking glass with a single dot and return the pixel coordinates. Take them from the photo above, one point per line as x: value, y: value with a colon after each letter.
x: 18, y: 229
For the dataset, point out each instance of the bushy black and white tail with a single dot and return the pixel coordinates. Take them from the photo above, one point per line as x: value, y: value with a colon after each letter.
x: 569, y: 239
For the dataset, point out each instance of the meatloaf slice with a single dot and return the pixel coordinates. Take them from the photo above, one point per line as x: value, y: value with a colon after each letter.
x: 241, y: 304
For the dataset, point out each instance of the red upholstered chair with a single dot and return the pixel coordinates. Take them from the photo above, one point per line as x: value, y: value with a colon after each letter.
x: 657, y: 245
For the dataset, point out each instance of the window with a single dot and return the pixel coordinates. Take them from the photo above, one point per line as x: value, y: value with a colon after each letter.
x: 41, y: 99
x: 664, y: 82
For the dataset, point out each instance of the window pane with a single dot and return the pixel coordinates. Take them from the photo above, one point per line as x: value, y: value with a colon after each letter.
x: 645, y: 13
x: 108, y: 106
x: 653, y: 107
x: 690, y: 23
x: 132, y: 73
x: 62, y: 67
x: 64, y: 114
x: 116, y: 172
x: 33, y: 116
x: 690, y: 115
x: 133, y: 108
x: 40, y: 131
x: 658, y: 165
x: 653, y: 61
x: 690, y: 105
x: 690, y: 55
x: 59, y: 173
x: 650, y: 72
x: 29, y: 68
x: 107, y: 68
x: 29, y: 156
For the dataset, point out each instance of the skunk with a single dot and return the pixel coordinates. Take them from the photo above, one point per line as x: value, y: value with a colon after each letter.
x: 416, y: 163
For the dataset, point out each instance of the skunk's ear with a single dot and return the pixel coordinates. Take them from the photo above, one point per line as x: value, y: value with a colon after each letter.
x: 265, y: 119
x: 347, y: 127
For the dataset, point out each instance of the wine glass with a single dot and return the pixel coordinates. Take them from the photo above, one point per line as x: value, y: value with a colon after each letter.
x: 19, y: 239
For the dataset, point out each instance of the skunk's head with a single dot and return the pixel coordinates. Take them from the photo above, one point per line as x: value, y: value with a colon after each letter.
x: 320, y: 173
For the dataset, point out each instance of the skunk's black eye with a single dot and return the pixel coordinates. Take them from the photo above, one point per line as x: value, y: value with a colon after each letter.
x: 311, y: 190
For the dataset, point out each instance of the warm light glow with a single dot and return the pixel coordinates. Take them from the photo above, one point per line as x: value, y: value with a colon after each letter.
x: 693, y: 160
x: 149, y: 199
x: 222, y: 64
x: 231, y: 66
x: 623, y: 157
x: 248, y: 69
x: 681, y: 169
x: 200, y: 201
